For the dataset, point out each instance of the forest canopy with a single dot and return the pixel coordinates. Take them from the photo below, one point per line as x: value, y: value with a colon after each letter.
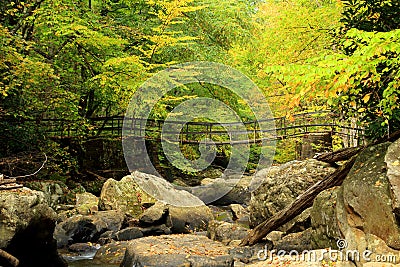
x: 76, y: 60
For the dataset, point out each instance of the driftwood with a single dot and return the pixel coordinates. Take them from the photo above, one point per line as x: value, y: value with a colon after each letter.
x: 10, y: 258
x: 301, y: 203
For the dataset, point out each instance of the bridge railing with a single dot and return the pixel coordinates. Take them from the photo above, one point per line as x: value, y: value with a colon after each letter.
x: 196, y: 132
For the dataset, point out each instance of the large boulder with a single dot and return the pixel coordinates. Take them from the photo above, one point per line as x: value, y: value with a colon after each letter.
x: 225, y: 232
x: 178, y: 219
x: 229, y: 189
x: 282, y: 185
x: 54, y: 191
x: 324, y: 219
x: 392, y: 159
x: 125, y: 195
x: 362, y: 211
x: 26, y: 228
x: 86, y: 203
x: 188, y: 219
x: 87, y: 228
x: 364, y: 204
x: 139, y: 191
x: 176, y: 250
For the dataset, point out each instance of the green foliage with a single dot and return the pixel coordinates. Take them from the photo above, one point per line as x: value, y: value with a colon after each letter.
x: 360, y: 81
x: 369, y: 15
x: 285, y: 151
x: 285, y: 32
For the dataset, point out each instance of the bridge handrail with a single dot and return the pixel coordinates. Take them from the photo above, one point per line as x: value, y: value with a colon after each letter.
x: 298, y: 124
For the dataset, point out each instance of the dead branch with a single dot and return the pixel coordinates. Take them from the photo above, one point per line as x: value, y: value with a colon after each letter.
x: 29, y: 175
x: 10, y: 258
x: 99, y: 177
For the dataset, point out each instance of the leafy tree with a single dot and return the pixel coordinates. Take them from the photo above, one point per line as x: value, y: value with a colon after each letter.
x: 285, y: 32
x: 361, y: 79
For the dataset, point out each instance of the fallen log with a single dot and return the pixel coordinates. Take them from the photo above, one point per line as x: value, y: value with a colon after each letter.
x: 9, y: 258
x: 339, y: 155
x: 301, y: 203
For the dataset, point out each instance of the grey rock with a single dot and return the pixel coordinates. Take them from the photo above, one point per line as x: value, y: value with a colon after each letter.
x: 156, y: 230
x: 54, y: 192
x: 128, y: 234
x: 86, y: 203
x: 188, y: 219
x: 176, y: 250
x: 324, y: 220
x: 82, y: 248
x: 156, y: 214
x: 229, y: 189
x: 26, y: 228
x: 125, y: 195
x: 364, y: 204
x: 87, y: 228
x: 274, y: 236
x: 239, y: 212
x: 281, y: 185
x: 299, y: 241
x: 225, y: 232
x: 361, y: 210
x: 110, y: 254
x: 164, y: 191
x: 392, y: 159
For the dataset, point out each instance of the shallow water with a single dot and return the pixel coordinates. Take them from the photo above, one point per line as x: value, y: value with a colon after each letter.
x: 84, y: 260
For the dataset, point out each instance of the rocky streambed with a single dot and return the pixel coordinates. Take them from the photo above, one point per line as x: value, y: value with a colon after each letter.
x: 125, y: 226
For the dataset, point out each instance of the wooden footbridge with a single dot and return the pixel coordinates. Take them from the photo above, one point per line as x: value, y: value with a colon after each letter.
x: 196, y: 132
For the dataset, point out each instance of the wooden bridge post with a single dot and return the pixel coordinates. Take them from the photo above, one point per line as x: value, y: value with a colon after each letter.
x: 187, y: 131
x: 210, y: 131
x: 254, y: 131
x: 119, y: 126
x: 284, y: 126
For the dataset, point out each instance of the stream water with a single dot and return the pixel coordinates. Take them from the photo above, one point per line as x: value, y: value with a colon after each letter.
x: 84, y: 260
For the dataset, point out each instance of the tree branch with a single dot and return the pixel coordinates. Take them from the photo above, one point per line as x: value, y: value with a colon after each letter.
x: 10, y: 258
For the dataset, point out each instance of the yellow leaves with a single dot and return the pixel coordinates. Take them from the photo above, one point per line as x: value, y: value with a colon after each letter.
x: 367, y: 97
